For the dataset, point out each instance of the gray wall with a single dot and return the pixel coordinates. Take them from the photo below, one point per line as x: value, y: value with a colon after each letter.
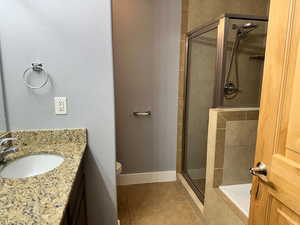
x: 146, y: 54
x: 73, y: 39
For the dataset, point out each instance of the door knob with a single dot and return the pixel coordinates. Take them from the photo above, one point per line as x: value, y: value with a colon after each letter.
x: 260, y: 171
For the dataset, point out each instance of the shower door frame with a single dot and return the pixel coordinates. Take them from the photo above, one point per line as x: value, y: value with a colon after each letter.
x: 221, y: 24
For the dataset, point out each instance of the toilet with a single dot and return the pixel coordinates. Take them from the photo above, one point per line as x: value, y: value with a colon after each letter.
x: 118, y: 168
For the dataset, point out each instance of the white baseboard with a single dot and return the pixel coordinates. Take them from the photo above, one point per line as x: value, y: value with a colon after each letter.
x: 150, y: 177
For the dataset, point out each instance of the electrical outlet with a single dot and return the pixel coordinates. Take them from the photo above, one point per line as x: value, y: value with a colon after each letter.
x: 60, y: 105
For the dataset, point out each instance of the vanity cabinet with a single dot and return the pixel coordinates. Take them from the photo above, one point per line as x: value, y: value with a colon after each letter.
x: 75, y: 213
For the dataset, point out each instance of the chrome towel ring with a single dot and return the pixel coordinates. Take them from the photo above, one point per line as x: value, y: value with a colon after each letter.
x: 35, y: 67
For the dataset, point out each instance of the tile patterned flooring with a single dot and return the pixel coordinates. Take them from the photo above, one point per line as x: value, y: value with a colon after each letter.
x: 157, y: 204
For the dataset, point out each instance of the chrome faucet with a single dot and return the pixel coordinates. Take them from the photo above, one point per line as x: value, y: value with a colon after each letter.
x: 6, y: 150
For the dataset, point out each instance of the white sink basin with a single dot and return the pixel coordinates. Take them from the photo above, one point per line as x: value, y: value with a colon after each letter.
x: 31, y: 165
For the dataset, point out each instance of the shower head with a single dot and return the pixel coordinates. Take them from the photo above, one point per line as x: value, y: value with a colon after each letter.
x: 243, y: 30
x: 250, y: 26
x: 245, y: 27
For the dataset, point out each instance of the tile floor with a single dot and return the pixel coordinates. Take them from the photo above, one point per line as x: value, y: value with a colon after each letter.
x: 157, y: 204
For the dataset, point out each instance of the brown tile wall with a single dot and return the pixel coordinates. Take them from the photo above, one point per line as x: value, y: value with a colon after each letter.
x: 230, y: 151
x: 203, y: 11
x: 184, y: 30
x: 235, y: 146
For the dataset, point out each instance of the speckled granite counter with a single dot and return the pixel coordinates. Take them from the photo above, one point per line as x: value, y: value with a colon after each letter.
x: 41, y: 200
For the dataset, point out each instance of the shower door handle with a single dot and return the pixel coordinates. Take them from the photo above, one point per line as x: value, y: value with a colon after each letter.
x: 147, y: 113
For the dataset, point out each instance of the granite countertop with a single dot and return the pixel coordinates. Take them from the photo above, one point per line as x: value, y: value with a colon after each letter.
x: 42, y: 199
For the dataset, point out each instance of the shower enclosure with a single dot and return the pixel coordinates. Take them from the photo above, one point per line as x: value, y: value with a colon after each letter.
x: 224, y: 67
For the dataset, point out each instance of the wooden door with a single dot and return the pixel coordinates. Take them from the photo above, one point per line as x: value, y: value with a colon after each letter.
x: 275, y: 198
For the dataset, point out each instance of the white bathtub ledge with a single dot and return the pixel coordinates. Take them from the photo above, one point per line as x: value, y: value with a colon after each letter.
x: 238, y: 198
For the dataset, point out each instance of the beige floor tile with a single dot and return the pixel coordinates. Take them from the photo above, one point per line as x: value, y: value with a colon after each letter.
x: 156, y: 204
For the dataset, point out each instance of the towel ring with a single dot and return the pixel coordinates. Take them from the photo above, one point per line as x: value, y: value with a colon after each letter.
x: 35, y: 67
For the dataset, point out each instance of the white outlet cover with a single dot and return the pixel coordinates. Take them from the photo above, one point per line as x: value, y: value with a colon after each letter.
x: 60, y: 104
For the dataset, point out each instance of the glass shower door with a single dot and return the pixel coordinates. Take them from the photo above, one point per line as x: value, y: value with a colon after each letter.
x: 200, y: 90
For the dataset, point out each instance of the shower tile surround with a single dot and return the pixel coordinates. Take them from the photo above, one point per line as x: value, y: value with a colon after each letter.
x: 42, y: 199
x: 184, y: 30
x: 231, y: 148
x: 235, y: 146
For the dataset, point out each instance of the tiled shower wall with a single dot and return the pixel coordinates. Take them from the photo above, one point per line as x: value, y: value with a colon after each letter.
x: 235, y: 146
x: 231, y: 144
x: 184, y: 30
